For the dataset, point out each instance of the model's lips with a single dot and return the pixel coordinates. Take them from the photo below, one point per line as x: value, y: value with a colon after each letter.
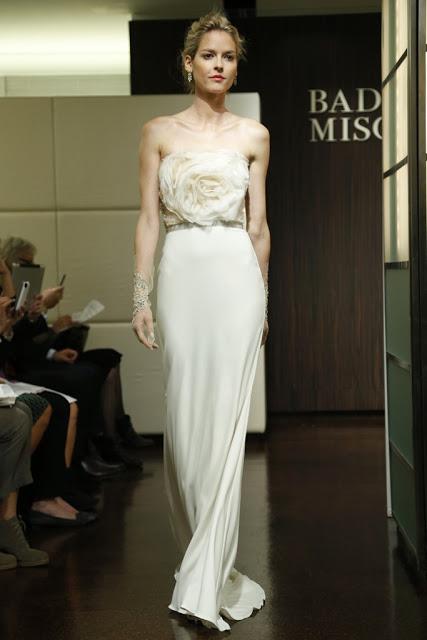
x: 217, y: 77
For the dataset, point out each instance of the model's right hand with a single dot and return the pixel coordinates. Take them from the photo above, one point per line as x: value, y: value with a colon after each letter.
x: 143, y: 326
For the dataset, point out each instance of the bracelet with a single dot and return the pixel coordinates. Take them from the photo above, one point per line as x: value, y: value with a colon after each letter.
x: 266, y: 298
x: 266, y: 293
x: 141, y: 290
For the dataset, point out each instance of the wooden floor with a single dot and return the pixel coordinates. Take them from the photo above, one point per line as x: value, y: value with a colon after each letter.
x: 313, y: 532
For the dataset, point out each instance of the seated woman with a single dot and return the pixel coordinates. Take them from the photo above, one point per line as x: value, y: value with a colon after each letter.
x: 39, y: 366
x: 52, y: 447
x: 15, y: 470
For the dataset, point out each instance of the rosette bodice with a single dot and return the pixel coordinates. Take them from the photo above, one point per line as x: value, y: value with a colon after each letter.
x: 203, y: 187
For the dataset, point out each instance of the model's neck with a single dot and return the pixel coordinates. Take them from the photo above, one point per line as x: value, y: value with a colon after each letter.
x: 209, y: 110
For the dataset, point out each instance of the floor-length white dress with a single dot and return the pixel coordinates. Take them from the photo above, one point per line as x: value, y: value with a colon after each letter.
x: 210, y: 318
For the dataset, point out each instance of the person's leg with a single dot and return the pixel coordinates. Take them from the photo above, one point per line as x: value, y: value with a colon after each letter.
x: 109, y: 443
x: 112, y: 402
x: 15, y: 448
x: 49, y: 461
x: 39, y: 427
x: 46, y: 460
x: 82, y: 380
x: 15, y: 472
x: 71, y: 434
x: 8, y: 506
x: 51, y: 464
x: 117, y: 424
x: 120, y: 410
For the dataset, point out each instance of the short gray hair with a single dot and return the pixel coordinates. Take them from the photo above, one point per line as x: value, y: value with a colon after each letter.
x: 12, y: 247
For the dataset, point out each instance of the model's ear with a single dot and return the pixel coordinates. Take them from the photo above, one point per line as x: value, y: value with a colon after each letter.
x: 188, y: 63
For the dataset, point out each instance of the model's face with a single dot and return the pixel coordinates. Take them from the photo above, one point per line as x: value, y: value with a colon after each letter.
x: 214, y: 66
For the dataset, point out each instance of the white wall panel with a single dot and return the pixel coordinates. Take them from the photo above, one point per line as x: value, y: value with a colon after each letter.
x: 96, y: 251
x: 26, y: 154
x: 97, y: 143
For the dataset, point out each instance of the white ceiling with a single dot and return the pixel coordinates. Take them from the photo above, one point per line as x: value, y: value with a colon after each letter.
x: 91, y: 36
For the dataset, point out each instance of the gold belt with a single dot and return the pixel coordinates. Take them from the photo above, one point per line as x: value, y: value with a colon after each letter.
x: 186, y: 225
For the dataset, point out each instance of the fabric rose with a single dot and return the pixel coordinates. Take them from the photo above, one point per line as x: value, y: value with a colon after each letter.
x: 202, y: 186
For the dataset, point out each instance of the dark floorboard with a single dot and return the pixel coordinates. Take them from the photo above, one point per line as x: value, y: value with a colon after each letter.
x: 313, y: 532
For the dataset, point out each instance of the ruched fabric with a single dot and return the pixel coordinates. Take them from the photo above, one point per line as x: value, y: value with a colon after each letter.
x: 203, y: 186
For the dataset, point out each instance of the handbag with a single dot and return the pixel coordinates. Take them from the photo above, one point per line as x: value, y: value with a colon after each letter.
x: 74, y: 337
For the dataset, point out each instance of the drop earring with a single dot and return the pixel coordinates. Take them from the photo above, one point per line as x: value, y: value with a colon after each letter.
x: 189, y: 76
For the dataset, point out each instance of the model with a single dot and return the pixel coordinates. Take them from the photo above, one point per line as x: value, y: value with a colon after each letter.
x: 203, y: 171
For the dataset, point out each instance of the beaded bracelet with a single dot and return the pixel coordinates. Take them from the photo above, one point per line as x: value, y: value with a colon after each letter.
x: 141, y: 291
x: 266, y: 298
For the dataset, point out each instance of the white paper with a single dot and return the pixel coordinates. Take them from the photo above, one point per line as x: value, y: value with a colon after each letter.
x: 24, y: 387
x: 90, y: 311
x: 7, y: 395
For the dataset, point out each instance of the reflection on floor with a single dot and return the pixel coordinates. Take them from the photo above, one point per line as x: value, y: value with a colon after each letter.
x: 313, y: 532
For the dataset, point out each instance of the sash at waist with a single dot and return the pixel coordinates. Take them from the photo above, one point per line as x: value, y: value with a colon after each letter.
x: 186, y: 225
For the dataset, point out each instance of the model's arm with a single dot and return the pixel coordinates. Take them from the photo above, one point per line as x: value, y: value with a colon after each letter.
x: 257, y: 226
x: 147, y: 233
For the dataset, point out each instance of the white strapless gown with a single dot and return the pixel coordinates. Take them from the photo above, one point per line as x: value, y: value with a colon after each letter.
x: 210, y: 318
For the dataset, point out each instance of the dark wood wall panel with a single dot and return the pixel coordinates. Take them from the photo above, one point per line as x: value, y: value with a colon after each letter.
x: 324, y: 351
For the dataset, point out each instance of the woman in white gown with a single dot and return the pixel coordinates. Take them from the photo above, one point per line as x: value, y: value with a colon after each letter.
x: 202, y: 171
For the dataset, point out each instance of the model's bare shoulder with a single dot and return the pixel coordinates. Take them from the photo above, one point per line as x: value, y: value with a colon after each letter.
x: 159, y: 131
x: 156, y: 128
x: 257, y: 136
x: 256, y: 131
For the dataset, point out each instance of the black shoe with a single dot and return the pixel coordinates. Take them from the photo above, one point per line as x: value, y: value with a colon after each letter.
x: 129, y: 436
x: 106, y: 449
x: 43, y: 519
x: 96, y: 454
x: 93, y: 468
x: 79, y: 500
x: 112, y: 451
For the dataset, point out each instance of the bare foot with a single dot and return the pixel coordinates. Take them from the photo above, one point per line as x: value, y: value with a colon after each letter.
x: 52, y: 508
x: 69, y: 507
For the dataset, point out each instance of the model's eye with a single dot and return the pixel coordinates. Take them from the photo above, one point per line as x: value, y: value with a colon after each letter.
x: 206, y: 55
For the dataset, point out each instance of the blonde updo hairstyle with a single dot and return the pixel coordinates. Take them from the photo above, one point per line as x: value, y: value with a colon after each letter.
x: 214, y: 20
